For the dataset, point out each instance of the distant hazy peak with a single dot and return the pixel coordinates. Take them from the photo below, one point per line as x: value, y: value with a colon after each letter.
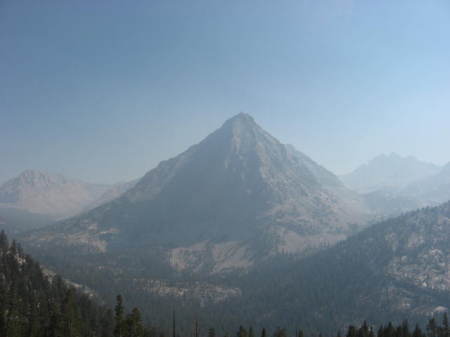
x: 446, y: 168
x: 48, y: 193
x: 34, y: 174
x: 389, y: 171
x: 35, y: 177
x: 395, y: 157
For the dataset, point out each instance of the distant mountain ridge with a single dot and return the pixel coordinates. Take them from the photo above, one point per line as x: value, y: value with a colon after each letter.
x: 431, y: 190
x: 35, y: 198
x: 388, y: 172
x: 50, y: 194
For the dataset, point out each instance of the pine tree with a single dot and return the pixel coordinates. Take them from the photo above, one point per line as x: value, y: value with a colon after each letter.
x: 417, y: 332
x: 242, y: 332
x: 70, y: 319
x: 445, y: 327
x: 174, y: 328
x: 32, y: 306
x: 13, y: 325
x: 263, y: 332
x: 250, y: 332
x: 118, y: 318
x: 280, y: 332
x: 405, y: 329
x: 351, y: 332
x: 4, y: 245
x: 432, y: 328
x: 196, y: 329
x: 134, y: 324
x: 211, y: 332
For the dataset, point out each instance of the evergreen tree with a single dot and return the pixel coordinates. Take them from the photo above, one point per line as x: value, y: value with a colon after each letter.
x: 417, y: 332
x: 242, y: 332
x: 250, y: 332
x: 445, y: 327
x: 118, y: 317
x: 263, y: 332
x: 351, y: 332
x: 432, y: 328
x: 280, y: 332
x: 134, y: 324
x: 211, y: 332
x: 70, y: 319
x: 196, y: 329
x: 174, y: 328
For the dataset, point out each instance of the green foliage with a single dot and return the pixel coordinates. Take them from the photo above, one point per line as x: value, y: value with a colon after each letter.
x: 33, y: 305
x: 211, y: 332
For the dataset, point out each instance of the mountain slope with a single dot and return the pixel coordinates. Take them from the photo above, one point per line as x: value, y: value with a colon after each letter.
x: 35, y: 304
x: 111, y: 193
x: 48, y: 194
x: 388, y: 172
x: 431, y: 190
x: 235, y: 194
x: 393, y: 270
x: 14, y: 220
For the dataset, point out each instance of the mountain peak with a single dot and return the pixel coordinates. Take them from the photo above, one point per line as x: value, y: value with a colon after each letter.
x: 32, y: 173
x: 35, y: 176
x: 48, y: 193
x: 236, y: 184
x: 446, y: 168
x: 388, y: 171
x: 241, y: 122
x: 245, y: 134
x: 242, y: 117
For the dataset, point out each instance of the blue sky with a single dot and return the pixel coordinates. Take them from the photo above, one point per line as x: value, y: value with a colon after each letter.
x: 104, y: 90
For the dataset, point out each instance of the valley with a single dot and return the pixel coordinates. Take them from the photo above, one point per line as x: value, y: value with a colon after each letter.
x: 199, y: 231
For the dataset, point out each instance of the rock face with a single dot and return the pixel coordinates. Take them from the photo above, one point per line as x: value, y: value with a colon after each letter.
x: 388, y: 172
x: 236, y: 195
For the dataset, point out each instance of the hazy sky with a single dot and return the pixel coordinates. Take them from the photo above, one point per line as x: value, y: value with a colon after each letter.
x: 103, y: 90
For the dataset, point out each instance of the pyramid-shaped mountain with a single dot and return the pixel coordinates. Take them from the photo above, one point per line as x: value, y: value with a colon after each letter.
x: 238, y: 191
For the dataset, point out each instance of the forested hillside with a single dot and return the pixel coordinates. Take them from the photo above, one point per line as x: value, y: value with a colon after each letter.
x: 35, y: 305
x: 395, y: 269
